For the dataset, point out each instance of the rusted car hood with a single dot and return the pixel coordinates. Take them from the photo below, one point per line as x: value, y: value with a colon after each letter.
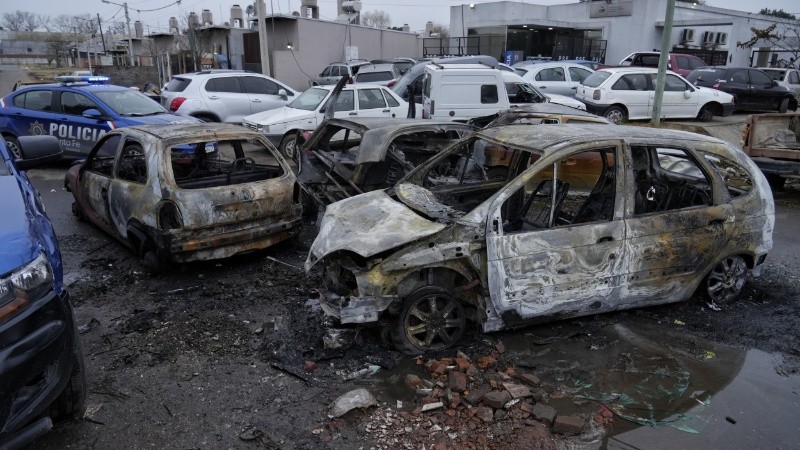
x: 367, y: 225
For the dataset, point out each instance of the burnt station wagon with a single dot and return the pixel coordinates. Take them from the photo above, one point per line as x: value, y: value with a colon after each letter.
x: 187, y: 193
x: 574, y: 220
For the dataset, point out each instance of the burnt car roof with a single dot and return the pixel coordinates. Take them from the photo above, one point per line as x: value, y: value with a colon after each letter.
x: 182, y: 132
x: 543, y: 138
x: 535, y: 110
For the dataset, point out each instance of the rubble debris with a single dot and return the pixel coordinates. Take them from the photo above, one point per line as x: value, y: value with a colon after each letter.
x: 431, y: 406
x: 366, y: 371
x: 496, y: 399
x: 357, y: 398
x: 337, y: 338
x: 543, y: 413
x: 289, y: 372
x: 568, y: 425
x: 251, y: 434
x: 457, y: 381
x: 413, y: 381
x: 88, y: 326
x: 517, y: 390
x: 474, y: 396
x: 309, y: 366
x: 484, y: 413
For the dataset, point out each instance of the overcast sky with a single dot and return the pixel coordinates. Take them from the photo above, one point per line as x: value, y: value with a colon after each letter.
x: 413, y: 12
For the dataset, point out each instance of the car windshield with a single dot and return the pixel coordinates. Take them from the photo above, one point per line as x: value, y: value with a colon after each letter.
x: 596, y: 79
x: 310, y: 99
x: 130, y: 103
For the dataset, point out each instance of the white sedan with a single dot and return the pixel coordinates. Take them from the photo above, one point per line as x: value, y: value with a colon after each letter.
x: 555, y: 77
x: 282, y: 125
x: 627, y: 93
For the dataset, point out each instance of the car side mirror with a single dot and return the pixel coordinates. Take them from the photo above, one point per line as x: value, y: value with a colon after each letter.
x: 92, y: 113
x: 322, y: 110
x: 283, y: 94
x: 38, y: 150
x: 687, y: 94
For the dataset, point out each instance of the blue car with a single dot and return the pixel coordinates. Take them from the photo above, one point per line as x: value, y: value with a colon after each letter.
x: 78, y: 110
x: 42, y: 374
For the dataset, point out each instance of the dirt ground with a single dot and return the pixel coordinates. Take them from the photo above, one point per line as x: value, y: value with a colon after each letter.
x: 212, y: 355
x: 231, y: 354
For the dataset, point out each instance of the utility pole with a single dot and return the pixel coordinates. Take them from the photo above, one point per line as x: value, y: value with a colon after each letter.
x: 655, y: 120
x: 100, y: 26
x: 262, y: 36
x: 128, y: 20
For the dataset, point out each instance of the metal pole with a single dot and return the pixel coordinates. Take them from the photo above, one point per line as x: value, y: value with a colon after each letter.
x: 100, y: 26
x: 655, y: 120
x: 262, y: 36
x: 130, y: 38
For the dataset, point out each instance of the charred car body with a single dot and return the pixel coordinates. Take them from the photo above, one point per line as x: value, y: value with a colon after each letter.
x: 584, y: 220
x: 538, y: 113
x: 343, y: 157
x: 178, y: 194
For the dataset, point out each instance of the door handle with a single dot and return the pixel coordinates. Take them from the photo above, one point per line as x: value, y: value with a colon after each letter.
x: 213, y: 97
x: 386, y: 110
x: 605, y: 239
x: 353, y: 114
x: 256, y: 101
x: 542, y: 87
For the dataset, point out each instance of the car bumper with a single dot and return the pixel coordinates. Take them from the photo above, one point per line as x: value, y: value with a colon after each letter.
x: 354, y: 309
x: 218, y: 242
x: 594, y: 108
x: 36, y: 359
x: 727, y: 109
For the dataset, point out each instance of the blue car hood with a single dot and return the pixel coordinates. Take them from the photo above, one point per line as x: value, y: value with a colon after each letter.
x: 160, y: 119
x: 18, y: 234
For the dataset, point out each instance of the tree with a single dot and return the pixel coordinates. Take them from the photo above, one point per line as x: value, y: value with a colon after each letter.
x: 58, y: 46
x: 786, y: 41
x: 377, y: 19
x: 81, y: 24
x: 21, y: 21
x: 777, y: 13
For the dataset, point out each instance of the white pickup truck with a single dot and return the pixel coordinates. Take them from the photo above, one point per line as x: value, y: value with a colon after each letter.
x: 463, y: 91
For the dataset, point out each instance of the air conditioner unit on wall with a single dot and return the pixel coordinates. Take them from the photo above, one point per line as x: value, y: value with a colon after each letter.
x: 721, y: 39
x: 708, y: 37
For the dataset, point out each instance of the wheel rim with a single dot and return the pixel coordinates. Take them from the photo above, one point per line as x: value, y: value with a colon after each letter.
x: 12, y: 147
x: 434, y: 322
x: 726, y: 279
x: 289, y: 148
x: 615, y: 116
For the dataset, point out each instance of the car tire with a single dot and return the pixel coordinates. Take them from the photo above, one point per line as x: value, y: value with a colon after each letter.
x: 783, y: 106
x: 288, y: 145
x: 616, y: 114
x: 725, y: 280
x: 431, y: 319
x: 12, y: 144
x: 706, y: 113
x: 71, y: 403
x: 78, y: 212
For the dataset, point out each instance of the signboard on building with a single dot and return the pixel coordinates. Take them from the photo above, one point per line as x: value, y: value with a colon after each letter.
x: 611, y: 9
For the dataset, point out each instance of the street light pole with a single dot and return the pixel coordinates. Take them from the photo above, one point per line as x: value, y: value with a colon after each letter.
x: 128, y: 20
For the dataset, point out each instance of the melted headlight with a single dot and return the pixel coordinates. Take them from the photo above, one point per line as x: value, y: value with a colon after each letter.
x: 24, y: 285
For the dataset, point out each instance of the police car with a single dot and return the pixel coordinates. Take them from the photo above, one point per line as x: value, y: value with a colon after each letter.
x: 78, y: 110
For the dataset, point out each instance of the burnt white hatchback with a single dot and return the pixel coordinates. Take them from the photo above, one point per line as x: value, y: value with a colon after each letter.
x: 517, y: 225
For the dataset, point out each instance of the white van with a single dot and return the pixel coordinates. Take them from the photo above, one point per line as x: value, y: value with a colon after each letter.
x: 462, y: 91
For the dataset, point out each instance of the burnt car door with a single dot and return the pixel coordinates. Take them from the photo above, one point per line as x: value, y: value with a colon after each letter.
x: 94, y: 181
x: 556, y: 235
x: 673, y: 226
x: 127, y: 189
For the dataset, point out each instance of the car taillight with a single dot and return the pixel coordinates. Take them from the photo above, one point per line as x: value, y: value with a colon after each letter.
x: 391, y: 83
x: 596, y: 94
x: 169, y: 216
x: 176, y: 103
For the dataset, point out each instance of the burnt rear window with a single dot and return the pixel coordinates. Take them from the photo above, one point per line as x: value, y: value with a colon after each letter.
x: 178, y: 84
x: 212, y: 163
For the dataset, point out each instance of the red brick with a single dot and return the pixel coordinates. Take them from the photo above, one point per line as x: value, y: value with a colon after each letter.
x: 531, y: 379
x: 484, y: 413
x: 486, y: 362
x: 462, y: 363
x: 500, y: 347
x: 568, y: 425
x: 457, y: 381
x: 496, y: 399
x: 308, y: 366
x: 413, y: 381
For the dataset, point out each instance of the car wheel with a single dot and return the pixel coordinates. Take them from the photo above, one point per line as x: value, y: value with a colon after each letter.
x: 706, y: 114
x: 783, y: 106
x: 616, y: 114
x: 726, y: 279
x: 288, y: 146
x: 71, y: 403
x: 13, y: 146
x: 432, y: 318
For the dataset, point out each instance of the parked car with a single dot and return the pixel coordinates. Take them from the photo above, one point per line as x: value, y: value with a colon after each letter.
x: 536, y: 114
x: 345, y: 157
x: 42, y: 375
x: 772, y: 141
x: 224, y: 95
x: 382, y: 74
x: 556, y: 77
x: 412, y: 79
x: 626, y: 93
x: 594, y: 65
x: 78, y: 111
x: 790, y: 78
x: 751, y: 88
x: 334, y: 71
x: 282, y: 125
x: 234, y: 194
x: 676, y: 62
x: 587, y: 219
x: 521, y: 92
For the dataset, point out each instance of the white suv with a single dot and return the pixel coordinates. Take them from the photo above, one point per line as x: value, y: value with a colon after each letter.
x: 224, y: 95
x: 627, y: 93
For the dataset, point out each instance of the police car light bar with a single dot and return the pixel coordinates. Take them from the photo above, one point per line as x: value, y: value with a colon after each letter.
x: 82, y: 79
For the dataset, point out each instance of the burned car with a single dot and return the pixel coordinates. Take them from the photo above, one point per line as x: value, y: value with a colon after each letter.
x: 343, y: 157
x: 187, y: 193
x: 584, y: 220
x: 539, y: 113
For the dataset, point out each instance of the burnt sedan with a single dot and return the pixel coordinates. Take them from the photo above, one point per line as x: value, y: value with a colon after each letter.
x: 343, y: 157
x: 537, y: 114
x: 187, y: 193
x: 584, y: 220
